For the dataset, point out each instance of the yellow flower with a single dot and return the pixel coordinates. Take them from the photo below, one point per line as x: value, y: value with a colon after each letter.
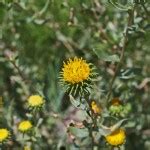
x: 25, y: 126
x: 76, y: 70
x: 116, y: 138
x: 76, y: 73
x: 35, y: 101
x: 95, y: 108
x: 4, y: 134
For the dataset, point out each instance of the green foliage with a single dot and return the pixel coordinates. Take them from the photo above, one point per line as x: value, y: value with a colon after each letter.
x: 37, y: 36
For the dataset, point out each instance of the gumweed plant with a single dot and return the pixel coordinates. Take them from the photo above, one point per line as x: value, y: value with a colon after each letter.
x: 117, y: 108
x: 25, y: 126
x: 116, y: 138
x: 4, y: 135
x: 27, y: 129
x: 105, y: 116
x: 35, y: 102
x: 77, y: 77
x: 73, y: 73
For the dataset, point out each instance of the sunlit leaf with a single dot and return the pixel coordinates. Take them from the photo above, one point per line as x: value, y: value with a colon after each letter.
x: 76, y: 103
x: 79, y: 132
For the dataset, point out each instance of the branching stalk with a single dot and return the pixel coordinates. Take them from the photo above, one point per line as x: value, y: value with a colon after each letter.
x: 125, y: 41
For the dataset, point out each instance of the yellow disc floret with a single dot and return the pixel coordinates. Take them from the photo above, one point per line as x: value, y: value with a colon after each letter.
x: 116, y: 138
x: 4, y: 134
x: 76, y: 70
x: 35, y: 101
x: 25, y: 126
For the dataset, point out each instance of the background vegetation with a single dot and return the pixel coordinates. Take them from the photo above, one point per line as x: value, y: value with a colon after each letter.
x: 37, y: 36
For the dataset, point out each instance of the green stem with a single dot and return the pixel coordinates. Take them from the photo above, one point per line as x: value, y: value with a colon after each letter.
x: 18, y: 69
x: 92, y: 124
x: 91, y: 135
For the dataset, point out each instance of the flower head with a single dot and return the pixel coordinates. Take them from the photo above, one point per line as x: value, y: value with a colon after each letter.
x: 4, y: 135
x: 76, y: 73
x: 115, y: 107
x: 35, y: 101
x: 116, y: 138
x: 115, y: 101
x: 25, y: 126
x: 76, y: 70
x: 95, y: 108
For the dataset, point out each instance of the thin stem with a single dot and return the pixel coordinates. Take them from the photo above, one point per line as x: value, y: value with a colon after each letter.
x: 93, y: 124
x: 91, y: 135
x: 18, y: 69
x: 125, y: 41
x: 147, y: 12
x: 24, y: 79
